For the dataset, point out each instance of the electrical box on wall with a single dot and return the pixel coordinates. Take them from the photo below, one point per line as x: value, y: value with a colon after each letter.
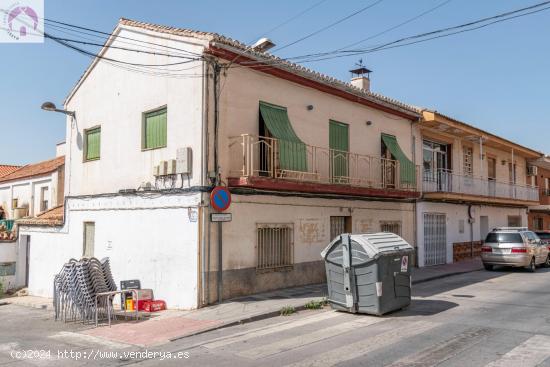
x: 184, y: 160
x: 171, y: 167
x: 163, y: 168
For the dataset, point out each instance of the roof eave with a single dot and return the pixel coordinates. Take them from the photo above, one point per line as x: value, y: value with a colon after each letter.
x: 303, y: 72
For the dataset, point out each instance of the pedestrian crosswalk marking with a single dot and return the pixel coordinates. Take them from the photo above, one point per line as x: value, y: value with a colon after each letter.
x: 367, y: 345
x: 440, y: 352
x: 271, y: 329
x: 530, y: 353
x: 312, y: 337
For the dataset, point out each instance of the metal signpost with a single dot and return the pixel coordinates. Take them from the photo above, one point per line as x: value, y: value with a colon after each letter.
x: 220, y: 200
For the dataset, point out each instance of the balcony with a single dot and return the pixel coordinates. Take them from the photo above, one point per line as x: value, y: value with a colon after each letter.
x: 445, y: 184
x: 267, y: 163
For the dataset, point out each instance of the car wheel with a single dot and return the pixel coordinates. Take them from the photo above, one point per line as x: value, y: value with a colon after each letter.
x: 488, y: 267
x: 547, y: 262
x: 532, y: 266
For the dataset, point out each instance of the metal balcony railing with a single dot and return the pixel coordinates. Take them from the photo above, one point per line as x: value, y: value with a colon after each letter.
x: 545, y: 192
x: 448, y: 181
x: 268, y: 157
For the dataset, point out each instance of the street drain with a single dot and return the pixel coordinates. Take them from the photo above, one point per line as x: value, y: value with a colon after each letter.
x: 463, y: 295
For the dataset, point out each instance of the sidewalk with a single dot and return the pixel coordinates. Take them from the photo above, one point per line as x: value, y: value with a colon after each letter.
x: 170, y: 325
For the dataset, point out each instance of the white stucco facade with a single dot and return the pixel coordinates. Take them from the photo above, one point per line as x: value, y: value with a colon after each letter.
x: 153, y: 239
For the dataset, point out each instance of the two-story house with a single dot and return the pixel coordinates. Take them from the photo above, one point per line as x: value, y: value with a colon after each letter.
x: 472, y: 181
x: 305, y: 156
x: 539, y: 214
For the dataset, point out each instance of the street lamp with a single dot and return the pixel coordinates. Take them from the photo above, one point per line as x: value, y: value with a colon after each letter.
x: 50, y: 106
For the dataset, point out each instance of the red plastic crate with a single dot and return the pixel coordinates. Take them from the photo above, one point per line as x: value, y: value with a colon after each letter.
x: 154, y: 306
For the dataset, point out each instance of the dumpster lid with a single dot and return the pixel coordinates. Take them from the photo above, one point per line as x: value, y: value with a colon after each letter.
x: 373, y: 243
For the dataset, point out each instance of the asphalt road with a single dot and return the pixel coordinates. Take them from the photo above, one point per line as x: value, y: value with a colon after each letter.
x: 499, y: 318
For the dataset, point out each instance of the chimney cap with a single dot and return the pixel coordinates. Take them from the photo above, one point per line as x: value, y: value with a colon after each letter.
x: 360, y: 71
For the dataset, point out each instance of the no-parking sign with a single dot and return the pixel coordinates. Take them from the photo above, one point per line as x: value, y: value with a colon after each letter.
x: 220, y: 198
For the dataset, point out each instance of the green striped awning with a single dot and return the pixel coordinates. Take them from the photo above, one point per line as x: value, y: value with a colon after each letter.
x: 292, y: 151
x: 407, y: 169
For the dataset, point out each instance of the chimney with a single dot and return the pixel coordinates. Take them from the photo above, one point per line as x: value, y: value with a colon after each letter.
x: 360, y: 78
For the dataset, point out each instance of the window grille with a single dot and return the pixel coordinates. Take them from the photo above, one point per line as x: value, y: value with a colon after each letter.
x: 275, y: 247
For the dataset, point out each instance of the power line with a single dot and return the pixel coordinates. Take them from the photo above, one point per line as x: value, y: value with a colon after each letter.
x: 291, y: 19
x: 329, y: 26
x: 397, y: 26
x: 49, y: 21
x: 415, y: 38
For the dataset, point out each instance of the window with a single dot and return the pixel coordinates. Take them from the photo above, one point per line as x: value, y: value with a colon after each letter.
x: 275, y: 247
x: 468, y: 169
x: 154, y: 129
x: 538, y: 223
x: 44, y: 199
x: 504, y: 238
x: 92, y: 144
x: 14, y: 203
x: 514, y: 221
x: 89, y: 239
x: 391, y: 227
x: 7, y: 269
x: 339, y: 225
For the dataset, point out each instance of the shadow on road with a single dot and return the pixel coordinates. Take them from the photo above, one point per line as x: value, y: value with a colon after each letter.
x: 432, y: 288
x: 424, y: 307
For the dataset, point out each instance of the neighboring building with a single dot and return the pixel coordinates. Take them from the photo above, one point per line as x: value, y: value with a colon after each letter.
x: 473, y: 181
x: 26, y: 191
x: 6, y: 169
x: 539, y: 215
x: 32, y: 189
x: 306, y: 157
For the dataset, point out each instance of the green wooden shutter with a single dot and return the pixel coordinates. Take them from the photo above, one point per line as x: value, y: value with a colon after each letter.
x: 93, y: 144
x: 155, y: 130
x: 339, y: 148
x: 292, y: 151
x: 407, y: 169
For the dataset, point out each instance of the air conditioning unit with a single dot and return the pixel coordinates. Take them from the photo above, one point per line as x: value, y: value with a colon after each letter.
x: 163, y: 168
x: 171, y: 169
x: 184, y: 160
x: 156, y: 171
x: 532, y: 170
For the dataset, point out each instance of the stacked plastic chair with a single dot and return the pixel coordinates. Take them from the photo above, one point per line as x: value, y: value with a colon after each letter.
x: 76, y: 287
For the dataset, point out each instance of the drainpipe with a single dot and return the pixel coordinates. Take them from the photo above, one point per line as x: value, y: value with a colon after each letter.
x: 217, y: 70
x: 204, y: 179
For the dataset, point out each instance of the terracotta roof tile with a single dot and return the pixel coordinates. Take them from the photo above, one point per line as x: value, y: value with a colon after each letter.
x: 6, y: 169
x: 51, y: 217
x: 35, y: 169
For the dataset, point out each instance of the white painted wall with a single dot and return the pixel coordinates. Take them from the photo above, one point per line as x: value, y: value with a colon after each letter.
x: 27, y: 191
x: 498, y: 216
x: 146, y: 238
x: 8, y: 253
x: 115, y: 99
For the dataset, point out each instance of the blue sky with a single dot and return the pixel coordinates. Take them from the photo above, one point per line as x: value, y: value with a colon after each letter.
x: 496, y: 78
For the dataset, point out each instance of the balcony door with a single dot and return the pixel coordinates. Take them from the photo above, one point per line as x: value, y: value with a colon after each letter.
x: 339, y: 151
x: 436, y: 162
x: 492, y: 175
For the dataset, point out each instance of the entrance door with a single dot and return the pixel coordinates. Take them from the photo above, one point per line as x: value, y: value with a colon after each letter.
x: 339, y: 151
x: 339, y: 225
x: 483, y: 227
x: 435, y: 239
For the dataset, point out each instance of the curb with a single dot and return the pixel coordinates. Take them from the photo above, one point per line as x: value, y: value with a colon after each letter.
x: 245, y: 320
x: 446, y: 275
